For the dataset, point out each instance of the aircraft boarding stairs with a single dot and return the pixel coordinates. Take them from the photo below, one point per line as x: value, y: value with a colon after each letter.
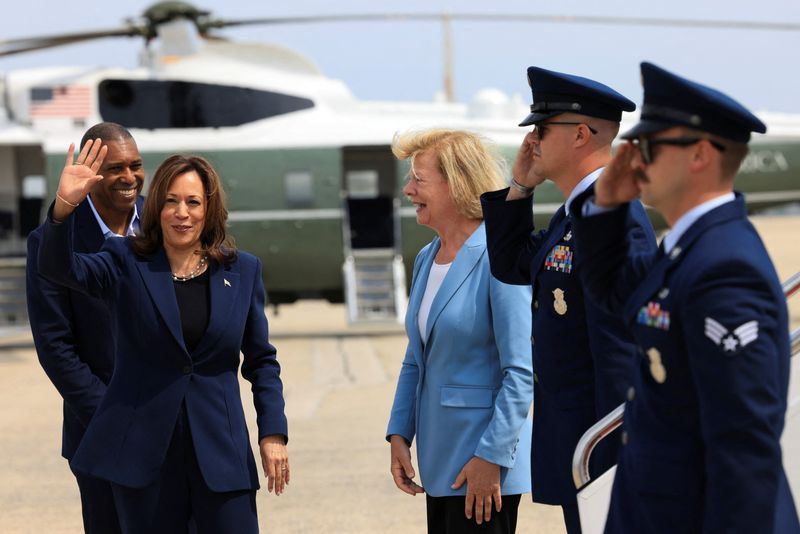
x: 13, y: 308
x: 594, y: 496
x: 375, y: 286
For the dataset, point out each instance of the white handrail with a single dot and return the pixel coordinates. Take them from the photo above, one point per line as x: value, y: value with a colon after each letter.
x: 791, y: 285
x: 589, y: 440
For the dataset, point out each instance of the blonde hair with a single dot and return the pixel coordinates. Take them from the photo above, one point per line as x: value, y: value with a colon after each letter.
x: 470, y: 166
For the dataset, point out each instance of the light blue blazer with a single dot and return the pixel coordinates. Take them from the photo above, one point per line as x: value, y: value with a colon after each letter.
x: 467, y: 392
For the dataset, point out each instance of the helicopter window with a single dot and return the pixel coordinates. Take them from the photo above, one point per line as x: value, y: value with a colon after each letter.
x: 362, y: 183
x: 299, y: 189
x: 154, y: 104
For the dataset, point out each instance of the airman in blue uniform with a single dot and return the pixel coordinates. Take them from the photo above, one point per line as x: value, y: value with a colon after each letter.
x: 704, y: 417
x: 581, y: 354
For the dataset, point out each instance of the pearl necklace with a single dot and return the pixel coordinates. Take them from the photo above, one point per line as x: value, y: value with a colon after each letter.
x: 195, y: 272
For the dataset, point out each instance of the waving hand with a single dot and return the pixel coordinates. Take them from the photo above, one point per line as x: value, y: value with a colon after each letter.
x: 78, y: 177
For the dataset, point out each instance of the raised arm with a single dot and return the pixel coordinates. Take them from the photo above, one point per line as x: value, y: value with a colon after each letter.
x: 613, y: 236
x: 96, y: 273
x: 50, y: 311
x: 508, y: 215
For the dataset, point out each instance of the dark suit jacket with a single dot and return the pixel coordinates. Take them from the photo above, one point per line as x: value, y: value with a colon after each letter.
x: 704, y: 422
x: 582, y: 355
x: 155, y: 375
x: 73, y: 332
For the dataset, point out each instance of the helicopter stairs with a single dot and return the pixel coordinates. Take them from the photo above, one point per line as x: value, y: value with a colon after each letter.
x: 13, y: 307
x: 375, y: 286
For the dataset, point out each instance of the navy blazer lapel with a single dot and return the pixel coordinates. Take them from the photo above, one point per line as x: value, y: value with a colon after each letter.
x: 655, y: 277
x: 648, y: 286
x: 157, y: 276
x: 415, y: 298
x: 224, y: 287
x: 463, y: 264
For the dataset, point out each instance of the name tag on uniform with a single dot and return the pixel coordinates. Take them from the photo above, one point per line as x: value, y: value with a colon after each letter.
x: 559, y: 259
x: 652, y: 315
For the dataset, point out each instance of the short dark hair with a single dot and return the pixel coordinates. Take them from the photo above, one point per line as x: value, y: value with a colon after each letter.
x: 214, y: 240
x: 732, y: 157
x: 105, y: 131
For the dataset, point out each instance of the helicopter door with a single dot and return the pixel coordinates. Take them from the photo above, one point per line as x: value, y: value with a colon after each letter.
x: 22, y: 194
x: 374, y: 274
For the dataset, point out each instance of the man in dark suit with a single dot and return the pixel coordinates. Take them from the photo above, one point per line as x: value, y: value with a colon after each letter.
x: 73, y: 333
x: 704, y: 418
x: 581, y: 354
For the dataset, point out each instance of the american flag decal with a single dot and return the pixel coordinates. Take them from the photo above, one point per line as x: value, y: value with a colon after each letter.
x: 61, y: 101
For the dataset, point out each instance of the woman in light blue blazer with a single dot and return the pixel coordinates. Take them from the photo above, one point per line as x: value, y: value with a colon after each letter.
x: 466, y: 384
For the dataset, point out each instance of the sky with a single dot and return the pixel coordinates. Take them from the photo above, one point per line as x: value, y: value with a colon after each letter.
x: 403, y: 60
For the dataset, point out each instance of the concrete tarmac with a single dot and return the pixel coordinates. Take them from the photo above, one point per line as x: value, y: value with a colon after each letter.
x: 339, y: 385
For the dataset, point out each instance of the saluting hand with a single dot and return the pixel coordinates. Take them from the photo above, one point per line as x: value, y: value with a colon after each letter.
x: 522, y: 169
x: 619, y: 182
x: 78, y: 177
x: 275, y: 461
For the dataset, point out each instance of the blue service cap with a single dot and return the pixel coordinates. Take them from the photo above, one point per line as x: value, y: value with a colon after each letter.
x: 670, y: 101
x: 555, y: 93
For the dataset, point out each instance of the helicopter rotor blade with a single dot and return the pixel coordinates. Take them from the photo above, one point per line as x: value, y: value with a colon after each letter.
x: 302, y: 19
x: 446, y: 18
x: 17, y: 46
x: 504, y: 17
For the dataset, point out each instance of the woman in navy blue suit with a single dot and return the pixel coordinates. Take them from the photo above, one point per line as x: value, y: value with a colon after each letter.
x: 466, y: 384
x: 170, y: 434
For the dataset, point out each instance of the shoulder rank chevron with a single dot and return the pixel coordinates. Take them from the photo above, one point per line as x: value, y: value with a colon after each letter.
x: 731, y: 341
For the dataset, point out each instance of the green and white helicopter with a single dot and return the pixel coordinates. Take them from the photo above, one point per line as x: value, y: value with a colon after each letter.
x: 313, y: 188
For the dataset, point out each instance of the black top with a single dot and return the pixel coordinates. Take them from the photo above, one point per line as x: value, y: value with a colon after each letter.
x: 194, y: 303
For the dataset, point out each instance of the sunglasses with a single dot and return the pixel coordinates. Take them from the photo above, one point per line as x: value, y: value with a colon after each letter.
x: 646, y: 145
x: 540, y: 128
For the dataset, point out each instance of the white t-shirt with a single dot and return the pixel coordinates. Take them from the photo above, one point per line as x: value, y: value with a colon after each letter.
x: 435, y: 279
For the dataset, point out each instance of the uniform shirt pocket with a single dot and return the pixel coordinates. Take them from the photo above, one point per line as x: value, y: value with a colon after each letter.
x: 467, y: 396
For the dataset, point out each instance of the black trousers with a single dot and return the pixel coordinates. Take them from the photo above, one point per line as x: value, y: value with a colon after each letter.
x: 572, y: 518
x: 180, y: 501
x: 97, y: 506
x: 446, y: 516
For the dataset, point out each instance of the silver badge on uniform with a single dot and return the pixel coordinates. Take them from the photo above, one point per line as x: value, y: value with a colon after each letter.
x: 657, y: 369
x: 568, y: 236
x: 740, y: 337
x: 559, y: 304
x: 663, y: 293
